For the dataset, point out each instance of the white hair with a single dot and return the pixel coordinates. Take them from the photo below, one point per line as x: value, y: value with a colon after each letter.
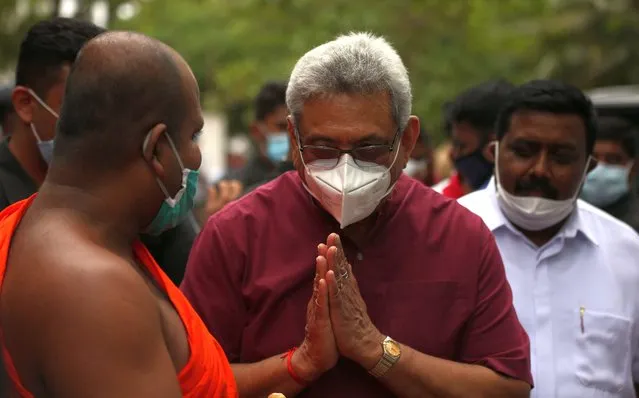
x: 354, y: 63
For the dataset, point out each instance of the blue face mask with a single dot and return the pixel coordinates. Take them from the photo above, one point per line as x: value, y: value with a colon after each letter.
x: 45, y: 147
x: 175, y: 209
x: 606, y: 184
x: 277, y: 146
x: 474, y: 169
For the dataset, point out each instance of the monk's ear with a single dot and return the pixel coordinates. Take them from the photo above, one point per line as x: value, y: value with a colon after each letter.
x: 154, y: 148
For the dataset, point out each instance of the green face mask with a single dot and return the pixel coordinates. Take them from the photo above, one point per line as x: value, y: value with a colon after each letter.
x: 174, y: 210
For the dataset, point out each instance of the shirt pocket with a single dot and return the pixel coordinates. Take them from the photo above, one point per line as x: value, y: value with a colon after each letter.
x: 603, y: 351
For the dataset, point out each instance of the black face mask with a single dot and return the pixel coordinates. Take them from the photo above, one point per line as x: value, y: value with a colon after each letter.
x: 474, y: 168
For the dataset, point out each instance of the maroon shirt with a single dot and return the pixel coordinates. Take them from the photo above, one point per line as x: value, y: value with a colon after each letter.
x: 431, y: 276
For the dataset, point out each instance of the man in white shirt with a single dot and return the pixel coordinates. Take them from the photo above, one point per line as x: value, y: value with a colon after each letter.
x: 573, y: 269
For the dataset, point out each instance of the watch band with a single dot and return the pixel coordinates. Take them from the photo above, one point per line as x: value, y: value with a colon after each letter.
x: 390, y: 356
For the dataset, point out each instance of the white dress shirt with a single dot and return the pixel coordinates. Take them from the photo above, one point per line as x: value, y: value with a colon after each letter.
x: 577, y: 297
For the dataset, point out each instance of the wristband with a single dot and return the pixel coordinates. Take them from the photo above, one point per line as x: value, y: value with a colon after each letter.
x: 289, y: 367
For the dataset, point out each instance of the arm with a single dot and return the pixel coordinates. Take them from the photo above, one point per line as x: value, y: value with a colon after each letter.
x: 420, y: 375
x: 494, y: 342
x: 270, y: 375
x: 100, y: 336
x: 216, y: 264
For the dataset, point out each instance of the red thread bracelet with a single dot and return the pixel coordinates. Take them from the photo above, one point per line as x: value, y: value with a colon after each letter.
x: 289, y: 367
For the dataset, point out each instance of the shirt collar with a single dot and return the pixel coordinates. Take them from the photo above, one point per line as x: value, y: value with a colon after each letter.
x: 576, y: 223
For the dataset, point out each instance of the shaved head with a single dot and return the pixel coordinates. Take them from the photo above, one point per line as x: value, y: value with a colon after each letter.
x: 121, y: 85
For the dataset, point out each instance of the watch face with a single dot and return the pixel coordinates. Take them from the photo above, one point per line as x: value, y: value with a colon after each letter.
x: 392, y: 348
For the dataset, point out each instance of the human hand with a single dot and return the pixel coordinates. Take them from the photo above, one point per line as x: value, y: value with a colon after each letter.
x: 318, y: 352
x: 225, y: 192
x: 356, y: 336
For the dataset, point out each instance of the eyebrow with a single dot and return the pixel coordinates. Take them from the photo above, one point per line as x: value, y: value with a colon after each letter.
x: 569, y: 146
x: 313, y: 137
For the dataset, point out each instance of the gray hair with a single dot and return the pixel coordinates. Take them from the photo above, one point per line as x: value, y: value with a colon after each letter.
x: 354, y: 63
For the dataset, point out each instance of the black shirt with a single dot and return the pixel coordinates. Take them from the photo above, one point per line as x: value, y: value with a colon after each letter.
x: 257, y: 170
x: 170, y: 249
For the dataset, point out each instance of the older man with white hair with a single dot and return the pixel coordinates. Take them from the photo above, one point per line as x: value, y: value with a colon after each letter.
x: 387, y: 288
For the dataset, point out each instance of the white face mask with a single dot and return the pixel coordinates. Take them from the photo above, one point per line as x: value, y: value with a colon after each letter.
x: 350, y: 193
x: 534, y: 213
x: 414, y: 167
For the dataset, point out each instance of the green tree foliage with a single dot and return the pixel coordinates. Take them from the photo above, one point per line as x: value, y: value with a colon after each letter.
x: 234, y: 46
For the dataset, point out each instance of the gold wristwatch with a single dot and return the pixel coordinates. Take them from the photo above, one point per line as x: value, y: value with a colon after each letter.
x: 392, y: 352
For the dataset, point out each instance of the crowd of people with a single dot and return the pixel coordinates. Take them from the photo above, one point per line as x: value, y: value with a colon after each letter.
x: 336, y: 261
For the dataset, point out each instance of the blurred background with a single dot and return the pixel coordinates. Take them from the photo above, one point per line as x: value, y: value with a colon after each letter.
x: 234, y: 46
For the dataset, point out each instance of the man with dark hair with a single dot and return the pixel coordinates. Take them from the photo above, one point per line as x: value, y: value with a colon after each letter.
x: 107, y: 321
x: 572, y: 268
x: 610, y: 185
x: 270, y: 138
x: 471, y: 121
x: 46, y: 56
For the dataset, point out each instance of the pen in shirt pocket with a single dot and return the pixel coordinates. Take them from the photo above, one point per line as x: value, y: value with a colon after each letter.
x: 582, y: 311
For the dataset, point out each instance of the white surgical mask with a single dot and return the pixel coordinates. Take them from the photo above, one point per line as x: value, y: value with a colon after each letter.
x: 534, y: 213
x: 414, y: 167
x: 350, y: 193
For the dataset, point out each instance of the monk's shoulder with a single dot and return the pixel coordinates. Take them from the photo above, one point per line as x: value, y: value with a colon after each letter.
x: 66, y: 273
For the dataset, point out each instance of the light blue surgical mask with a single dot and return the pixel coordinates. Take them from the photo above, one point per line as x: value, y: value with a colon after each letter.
x: 45, y: 147
x: 606, y: 184
x: 277, y: 146
x: 175, y: 209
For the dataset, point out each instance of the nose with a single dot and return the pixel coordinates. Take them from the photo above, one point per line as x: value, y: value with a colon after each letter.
x: 541, y: 167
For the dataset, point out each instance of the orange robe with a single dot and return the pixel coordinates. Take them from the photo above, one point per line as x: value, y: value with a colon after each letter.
x: 207, y: 373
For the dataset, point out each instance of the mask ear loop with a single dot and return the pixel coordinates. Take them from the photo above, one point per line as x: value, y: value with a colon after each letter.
x: 583, y: 178
x: 495, y: 144
x: 167, y: 196
x: 43, y: 104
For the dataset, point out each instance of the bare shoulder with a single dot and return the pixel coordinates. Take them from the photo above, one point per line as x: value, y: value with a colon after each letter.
x: 64, y: 295
x: 65, y: 269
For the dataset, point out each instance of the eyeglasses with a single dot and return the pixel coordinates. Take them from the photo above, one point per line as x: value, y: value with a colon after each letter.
x: 327, y: 157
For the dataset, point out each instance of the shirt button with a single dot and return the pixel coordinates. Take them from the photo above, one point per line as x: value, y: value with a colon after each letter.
x: 360, y: 256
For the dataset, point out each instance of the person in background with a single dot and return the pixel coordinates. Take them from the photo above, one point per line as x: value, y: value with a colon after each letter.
x: 86, y: 310
x: 420, y: 164
x: 572, y: 267
x: 610, y: 185
x: 238, y: 153
x: 368, y: 317
x: 470, y: 120
x: 270, y: 138
x: 45, y: 59
x: 8, y: 117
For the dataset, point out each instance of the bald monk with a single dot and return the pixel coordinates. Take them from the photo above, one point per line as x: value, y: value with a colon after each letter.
x: 85, y: 311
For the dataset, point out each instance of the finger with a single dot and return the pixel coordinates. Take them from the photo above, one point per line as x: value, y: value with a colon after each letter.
x: 321, y: 267
x: 321, y: 249
x: 237, y: 189
x: 337, y: 242
x: 322, y: 311
x: 225, y: 191
x: 333, y: 289
x: 212, y: 194
x: 330, y: 241
x: 331, y: 256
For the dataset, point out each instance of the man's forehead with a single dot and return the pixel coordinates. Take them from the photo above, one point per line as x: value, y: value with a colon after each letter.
x: 348, y: 115
x: 608, y: 146
x: 547, y: 127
